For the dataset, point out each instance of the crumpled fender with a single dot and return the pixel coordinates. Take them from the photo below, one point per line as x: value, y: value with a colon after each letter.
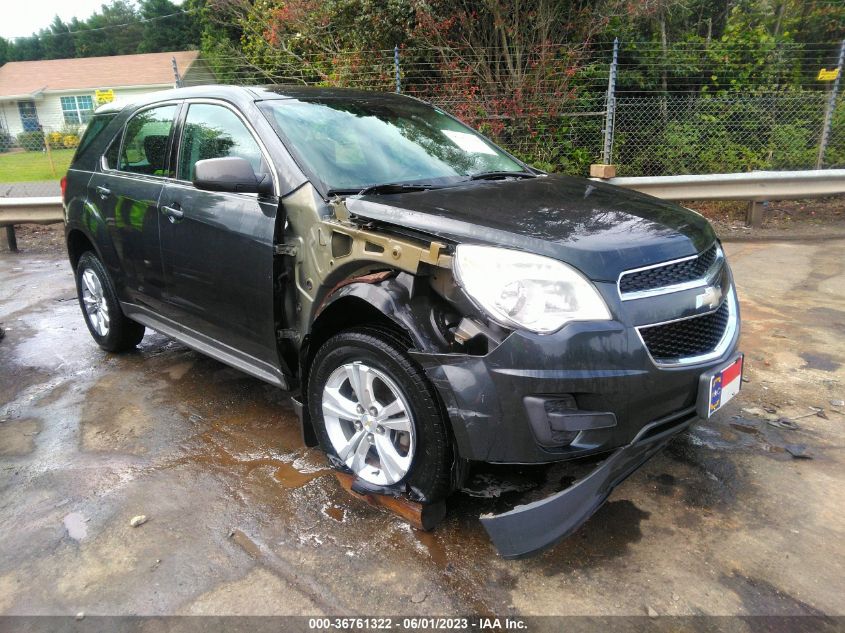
x: 393, y: 296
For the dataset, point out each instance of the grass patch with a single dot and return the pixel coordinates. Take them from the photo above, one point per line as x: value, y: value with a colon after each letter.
x: 27, y: 166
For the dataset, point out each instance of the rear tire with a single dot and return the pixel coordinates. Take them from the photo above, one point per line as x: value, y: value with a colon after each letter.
x: 109, y: 327
x: 395, y: 437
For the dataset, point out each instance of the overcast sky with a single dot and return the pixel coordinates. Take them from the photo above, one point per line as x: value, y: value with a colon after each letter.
x: 25, y: 17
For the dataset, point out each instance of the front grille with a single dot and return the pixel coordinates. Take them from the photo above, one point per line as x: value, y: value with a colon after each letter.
x: 669, y: 274
x: 691, y: 337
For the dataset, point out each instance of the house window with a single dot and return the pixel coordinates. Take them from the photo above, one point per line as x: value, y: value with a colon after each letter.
x: 77, y: 109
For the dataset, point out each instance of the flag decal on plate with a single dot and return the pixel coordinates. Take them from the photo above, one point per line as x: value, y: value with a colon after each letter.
x: 725, y: 384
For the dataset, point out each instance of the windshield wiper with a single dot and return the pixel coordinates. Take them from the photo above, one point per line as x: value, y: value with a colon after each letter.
x: 388, y: 187
x: 493, y: 175
x: 395, y: 187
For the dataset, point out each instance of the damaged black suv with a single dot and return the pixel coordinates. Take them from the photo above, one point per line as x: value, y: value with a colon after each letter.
x: 429, y: 299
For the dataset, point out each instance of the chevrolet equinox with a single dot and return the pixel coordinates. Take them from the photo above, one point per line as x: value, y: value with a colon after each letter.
x: 428, y: 299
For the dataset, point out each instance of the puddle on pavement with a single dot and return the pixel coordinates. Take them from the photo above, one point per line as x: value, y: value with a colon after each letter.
x: 289, y: 477
x: 338, y: 513
x: 459, y: 552
x: 283, y: 470
x: 17, y: 437
x: 178, y: 371
x: 432, y: 545
x: 119, y: 415
x: 76, y: 527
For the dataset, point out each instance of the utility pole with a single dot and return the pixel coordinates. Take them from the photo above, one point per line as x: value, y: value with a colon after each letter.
x: 176, y: 73
x: 831, y: 105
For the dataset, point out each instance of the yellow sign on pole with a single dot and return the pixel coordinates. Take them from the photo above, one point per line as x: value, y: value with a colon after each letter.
x: 104, y: 96
x: 828, y: 75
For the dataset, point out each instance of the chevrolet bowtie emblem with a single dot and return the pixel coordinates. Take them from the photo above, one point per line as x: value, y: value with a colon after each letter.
x: 711, y: 297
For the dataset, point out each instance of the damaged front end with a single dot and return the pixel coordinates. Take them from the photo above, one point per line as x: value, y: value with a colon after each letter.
x: 511, y: 396
x: 531, y: 528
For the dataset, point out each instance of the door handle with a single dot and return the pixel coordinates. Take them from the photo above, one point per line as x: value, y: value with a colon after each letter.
x: 173, y: 212
x: 104, y: 192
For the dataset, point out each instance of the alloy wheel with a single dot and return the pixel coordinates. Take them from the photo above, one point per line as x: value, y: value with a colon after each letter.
x: 369, y: 423
x: 94, y: 300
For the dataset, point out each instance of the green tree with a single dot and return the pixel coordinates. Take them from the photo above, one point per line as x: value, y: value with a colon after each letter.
x: 219, y: 40
x: 318, y: 40
x: 162, y: 33
x: 114, y: 30
x: 25, y: 49
x: 57, y: 40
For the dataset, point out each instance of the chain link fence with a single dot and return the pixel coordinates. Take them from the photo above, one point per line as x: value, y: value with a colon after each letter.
x: 688, y: 134
x: 38, y: 137
x: 835, y: 153
x: 668, y: 120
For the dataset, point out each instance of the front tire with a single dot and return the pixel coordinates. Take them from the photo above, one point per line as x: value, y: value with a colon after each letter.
x: 376, y: 415
x: 109, y: 327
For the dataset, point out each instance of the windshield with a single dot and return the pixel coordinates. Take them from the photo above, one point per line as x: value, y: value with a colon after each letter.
x: 352, y: 144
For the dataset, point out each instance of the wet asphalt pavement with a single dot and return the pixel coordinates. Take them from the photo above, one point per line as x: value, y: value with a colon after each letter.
x: 242, y: 519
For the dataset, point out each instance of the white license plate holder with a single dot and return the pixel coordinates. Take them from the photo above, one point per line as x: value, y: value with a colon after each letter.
x: 717, y: 387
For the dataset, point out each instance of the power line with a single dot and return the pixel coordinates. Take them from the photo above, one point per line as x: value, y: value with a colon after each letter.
x: 100, y: 28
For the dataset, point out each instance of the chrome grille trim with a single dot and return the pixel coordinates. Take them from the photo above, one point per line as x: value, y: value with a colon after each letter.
x: 707, y: 279
x: 722, y: 346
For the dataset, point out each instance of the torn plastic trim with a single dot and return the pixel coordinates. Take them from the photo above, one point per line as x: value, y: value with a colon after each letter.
x: 533, y: 527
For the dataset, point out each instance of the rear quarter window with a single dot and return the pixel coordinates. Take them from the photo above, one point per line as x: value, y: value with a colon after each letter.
x: 95, y: 128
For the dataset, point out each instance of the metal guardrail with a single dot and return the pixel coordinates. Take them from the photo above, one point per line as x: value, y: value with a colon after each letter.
x: 754, y: 186
x: 44, y: 210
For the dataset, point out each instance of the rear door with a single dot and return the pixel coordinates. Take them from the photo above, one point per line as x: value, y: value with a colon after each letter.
x: 217, y: 248
x: 126, y: 191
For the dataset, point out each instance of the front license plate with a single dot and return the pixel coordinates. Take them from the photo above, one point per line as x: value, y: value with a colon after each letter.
x: 718, y: 387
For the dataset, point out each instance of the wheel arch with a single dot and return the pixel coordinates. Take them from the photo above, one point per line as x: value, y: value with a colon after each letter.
x: 78, y: 242
x: 86, y: 229
x: 387, y: 304
x: 392, y: 303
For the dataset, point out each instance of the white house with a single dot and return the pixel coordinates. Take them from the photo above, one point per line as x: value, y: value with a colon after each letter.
x: 58, y: 93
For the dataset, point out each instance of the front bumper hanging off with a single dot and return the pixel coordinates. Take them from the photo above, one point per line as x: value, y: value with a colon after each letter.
x: 529, y: 528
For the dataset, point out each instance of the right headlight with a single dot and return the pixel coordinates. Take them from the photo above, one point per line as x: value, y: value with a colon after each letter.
x: 525, y: 291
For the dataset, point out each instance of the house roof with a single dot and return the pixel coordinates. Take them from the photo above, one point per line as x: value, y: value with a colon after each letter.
x: 153, y: 69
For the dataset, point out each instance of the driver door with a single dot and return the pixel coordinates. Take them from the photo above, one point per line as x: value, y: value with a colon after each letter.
x: 217, y: 247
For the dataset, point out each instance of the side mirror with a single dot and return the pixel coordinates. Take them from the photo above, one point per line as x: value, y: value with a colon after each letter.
x: 233, y: 174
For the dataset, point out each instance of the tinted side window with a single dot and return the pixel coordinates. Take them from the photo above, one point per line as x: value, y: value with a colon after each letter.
x: 145, y: 142
x: 212, y: 131
x: 97, y: 124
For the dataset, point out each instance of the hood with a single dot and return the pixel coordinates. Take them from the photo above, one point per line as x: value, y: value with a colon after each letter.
x: 600, y: 229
